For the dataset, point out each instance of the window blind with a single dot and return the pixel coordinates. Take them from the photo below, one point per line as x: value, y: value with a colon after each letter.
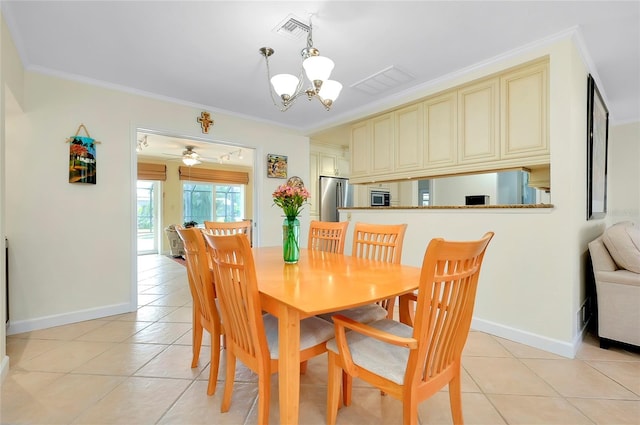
x: 152, y: 171
x: 213, y: 176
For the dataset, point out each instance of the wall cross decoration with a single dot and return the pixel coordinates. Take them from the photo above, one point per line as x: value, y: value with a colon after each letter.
x: 205, y: 121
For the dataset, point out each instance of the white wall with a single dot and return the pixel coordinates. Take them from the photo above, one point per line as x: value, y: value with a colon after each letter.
x: 623, y: 174
x: 11, y: 97
x: 72, y: 245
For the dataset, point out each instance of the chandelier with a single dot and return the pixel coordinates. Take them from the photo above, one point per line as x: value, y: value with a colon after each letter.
x: 317, y: 68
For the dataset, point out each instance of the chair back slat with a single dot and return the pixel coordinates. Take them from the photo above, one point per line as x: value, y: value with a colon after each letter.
x: 327, y: 236
x: 445, y: 302
x: 237, y: 289
x: 380, y: 242
x: 229, y: 228
x: 199, y: 273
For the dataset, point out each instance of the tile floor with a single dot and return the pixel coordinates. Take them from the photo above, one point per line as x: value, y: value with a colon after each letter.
x: 135, y: 369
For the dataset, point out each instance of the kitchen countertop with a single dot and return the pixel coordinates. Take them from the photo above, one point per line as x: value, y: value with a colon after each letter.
x: 449, y: 207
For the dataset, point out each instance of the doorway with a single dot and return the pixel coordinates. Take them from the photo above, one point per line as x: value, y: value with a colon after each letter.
x: 148, y: 216
x: 163, y: 203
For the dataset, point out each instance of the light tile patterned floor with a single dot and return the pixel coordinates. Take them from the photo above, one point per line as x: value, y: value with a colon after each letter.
x: 135, y: 369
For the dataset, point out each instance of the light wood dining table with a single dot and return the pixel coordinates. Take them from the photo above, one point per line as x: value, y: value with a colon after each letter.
x: 320, y: 282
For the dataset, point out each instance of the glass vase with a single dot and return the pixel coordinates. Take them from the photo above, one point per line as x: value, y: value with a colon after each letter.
x: 291, y: 240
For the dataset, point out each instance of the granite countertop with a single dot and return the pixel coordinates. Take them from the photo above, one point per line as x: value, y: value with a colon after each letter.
x: 449, y: 207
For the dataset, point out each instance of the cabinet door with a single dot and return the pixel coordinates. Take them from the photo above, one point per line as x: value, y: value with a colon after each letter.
x: 409, y: 140
x: 441, y: 130
x: 524, y: 113
x: 360, y: 149
x: 327, y: 165
x: 478, y: 123
x: 382, y: 146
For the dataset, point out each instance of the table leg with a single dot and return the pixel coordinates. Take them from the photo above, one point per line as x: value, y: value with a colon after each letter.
x: 406, y: 309
x: 289, y: 365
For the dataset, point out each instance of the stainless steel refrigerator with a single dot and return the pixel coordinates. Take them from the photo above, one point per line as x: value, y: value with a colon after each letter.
x: 335, y: 193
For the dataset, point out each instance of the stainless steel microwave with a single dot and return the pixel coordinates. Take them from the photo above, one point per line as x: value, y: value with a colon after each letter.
x: 380, y: 198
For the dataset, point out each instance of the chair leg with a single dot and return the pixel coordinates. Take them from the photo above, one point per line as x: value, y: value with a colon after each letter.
x: 264, y: 396
x: 333, y: 389
x: 215, y: 361
x: 347, y: 384
x: 455, y: 399
x: 410, y: 410
x: 303, y: 367
x: 228, y: 381
x: 196, y: 341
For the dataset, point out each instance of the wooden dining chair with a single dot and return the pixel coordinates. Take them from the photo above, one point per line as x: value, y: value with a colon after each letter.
x: 230, y: 228
x: 379, y: 242
x: 251, y: 336
x: 205, y: 311
x: 413, y: 363
x: 327, y: 236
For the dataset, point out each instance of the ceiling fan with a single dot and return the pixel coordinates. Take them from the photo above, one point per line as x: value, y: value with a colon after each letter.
x: 190, y: 157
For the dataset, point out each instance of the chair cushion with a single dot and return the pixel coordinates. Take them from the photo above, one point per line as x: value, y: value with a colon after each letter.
x: 313, y: 331
x: 363, y: 314
x: 623, y: 242
x: 386, y: 360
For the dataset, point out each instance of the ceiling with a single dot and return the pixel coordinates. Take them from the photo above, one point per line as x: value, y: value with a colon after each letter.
x: 206, y: 53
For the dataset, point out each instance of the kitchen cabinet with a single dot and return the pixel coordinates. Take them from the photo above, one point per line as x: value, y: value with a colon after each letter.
x: 360, y: 149
x: 497, y: 122
x: 523, y: 115
x: 408, y: 141
x: 382, y: 131
x: 441, y: 130
x: 478, y: 122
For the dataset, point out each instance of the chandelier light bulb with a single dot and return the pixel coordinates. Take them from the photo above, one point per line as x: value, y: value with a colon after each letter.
x: 330, y: 90
x: 318, y: 68
x: 284, y: 84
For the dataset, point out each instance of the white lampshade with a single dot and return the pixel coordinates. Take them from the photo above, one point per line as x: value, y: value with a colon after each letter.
x: 330, y: 90
x: 190, y: 161
x: 284, y: 84
x: 318, y: 68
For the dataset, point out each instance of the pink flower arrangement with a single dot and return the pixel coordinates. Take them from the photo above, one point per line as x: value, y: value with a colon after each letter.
x: 290, y: 199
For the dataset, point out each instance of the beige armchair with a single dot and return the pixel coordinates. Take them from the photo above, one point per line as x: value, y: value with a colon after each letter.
x: 616, y: 265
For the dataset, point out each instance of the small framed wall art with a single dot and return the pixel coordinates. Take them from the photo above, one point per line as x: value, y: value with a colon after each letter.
x: 597, y: 141
x: 82, y: 157
x: 276, y: 166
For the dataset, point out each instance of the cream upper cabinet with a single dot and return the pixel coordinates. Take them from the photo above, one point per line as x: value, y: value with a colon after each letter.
x: 382, y: 132
x: 497, y: 122
x: 478, y: 122
x: 441, y: 130
x: 409, y: 138
x: 360, y: 149
x: 327, y: 164
x: 524, y: 112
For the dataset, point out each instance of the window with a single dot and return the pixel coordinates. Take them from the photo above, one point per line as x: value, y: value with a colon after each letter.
x: 212, y: 202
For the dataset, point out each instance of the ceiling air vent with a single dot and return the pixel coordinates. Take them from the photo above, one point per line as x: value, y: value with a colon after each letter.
x: 384, y: 80
x: 292, y: 27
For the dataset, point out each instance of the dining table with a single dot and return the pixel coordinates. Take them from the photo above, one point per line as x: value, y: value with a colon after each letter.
x: 320, y: 282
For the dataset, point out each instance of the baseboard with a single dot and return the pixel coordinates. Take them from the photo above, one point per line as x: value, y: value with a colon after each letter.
x: 4, y: 368
x: 67, y: 318
x: 561, y: 348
